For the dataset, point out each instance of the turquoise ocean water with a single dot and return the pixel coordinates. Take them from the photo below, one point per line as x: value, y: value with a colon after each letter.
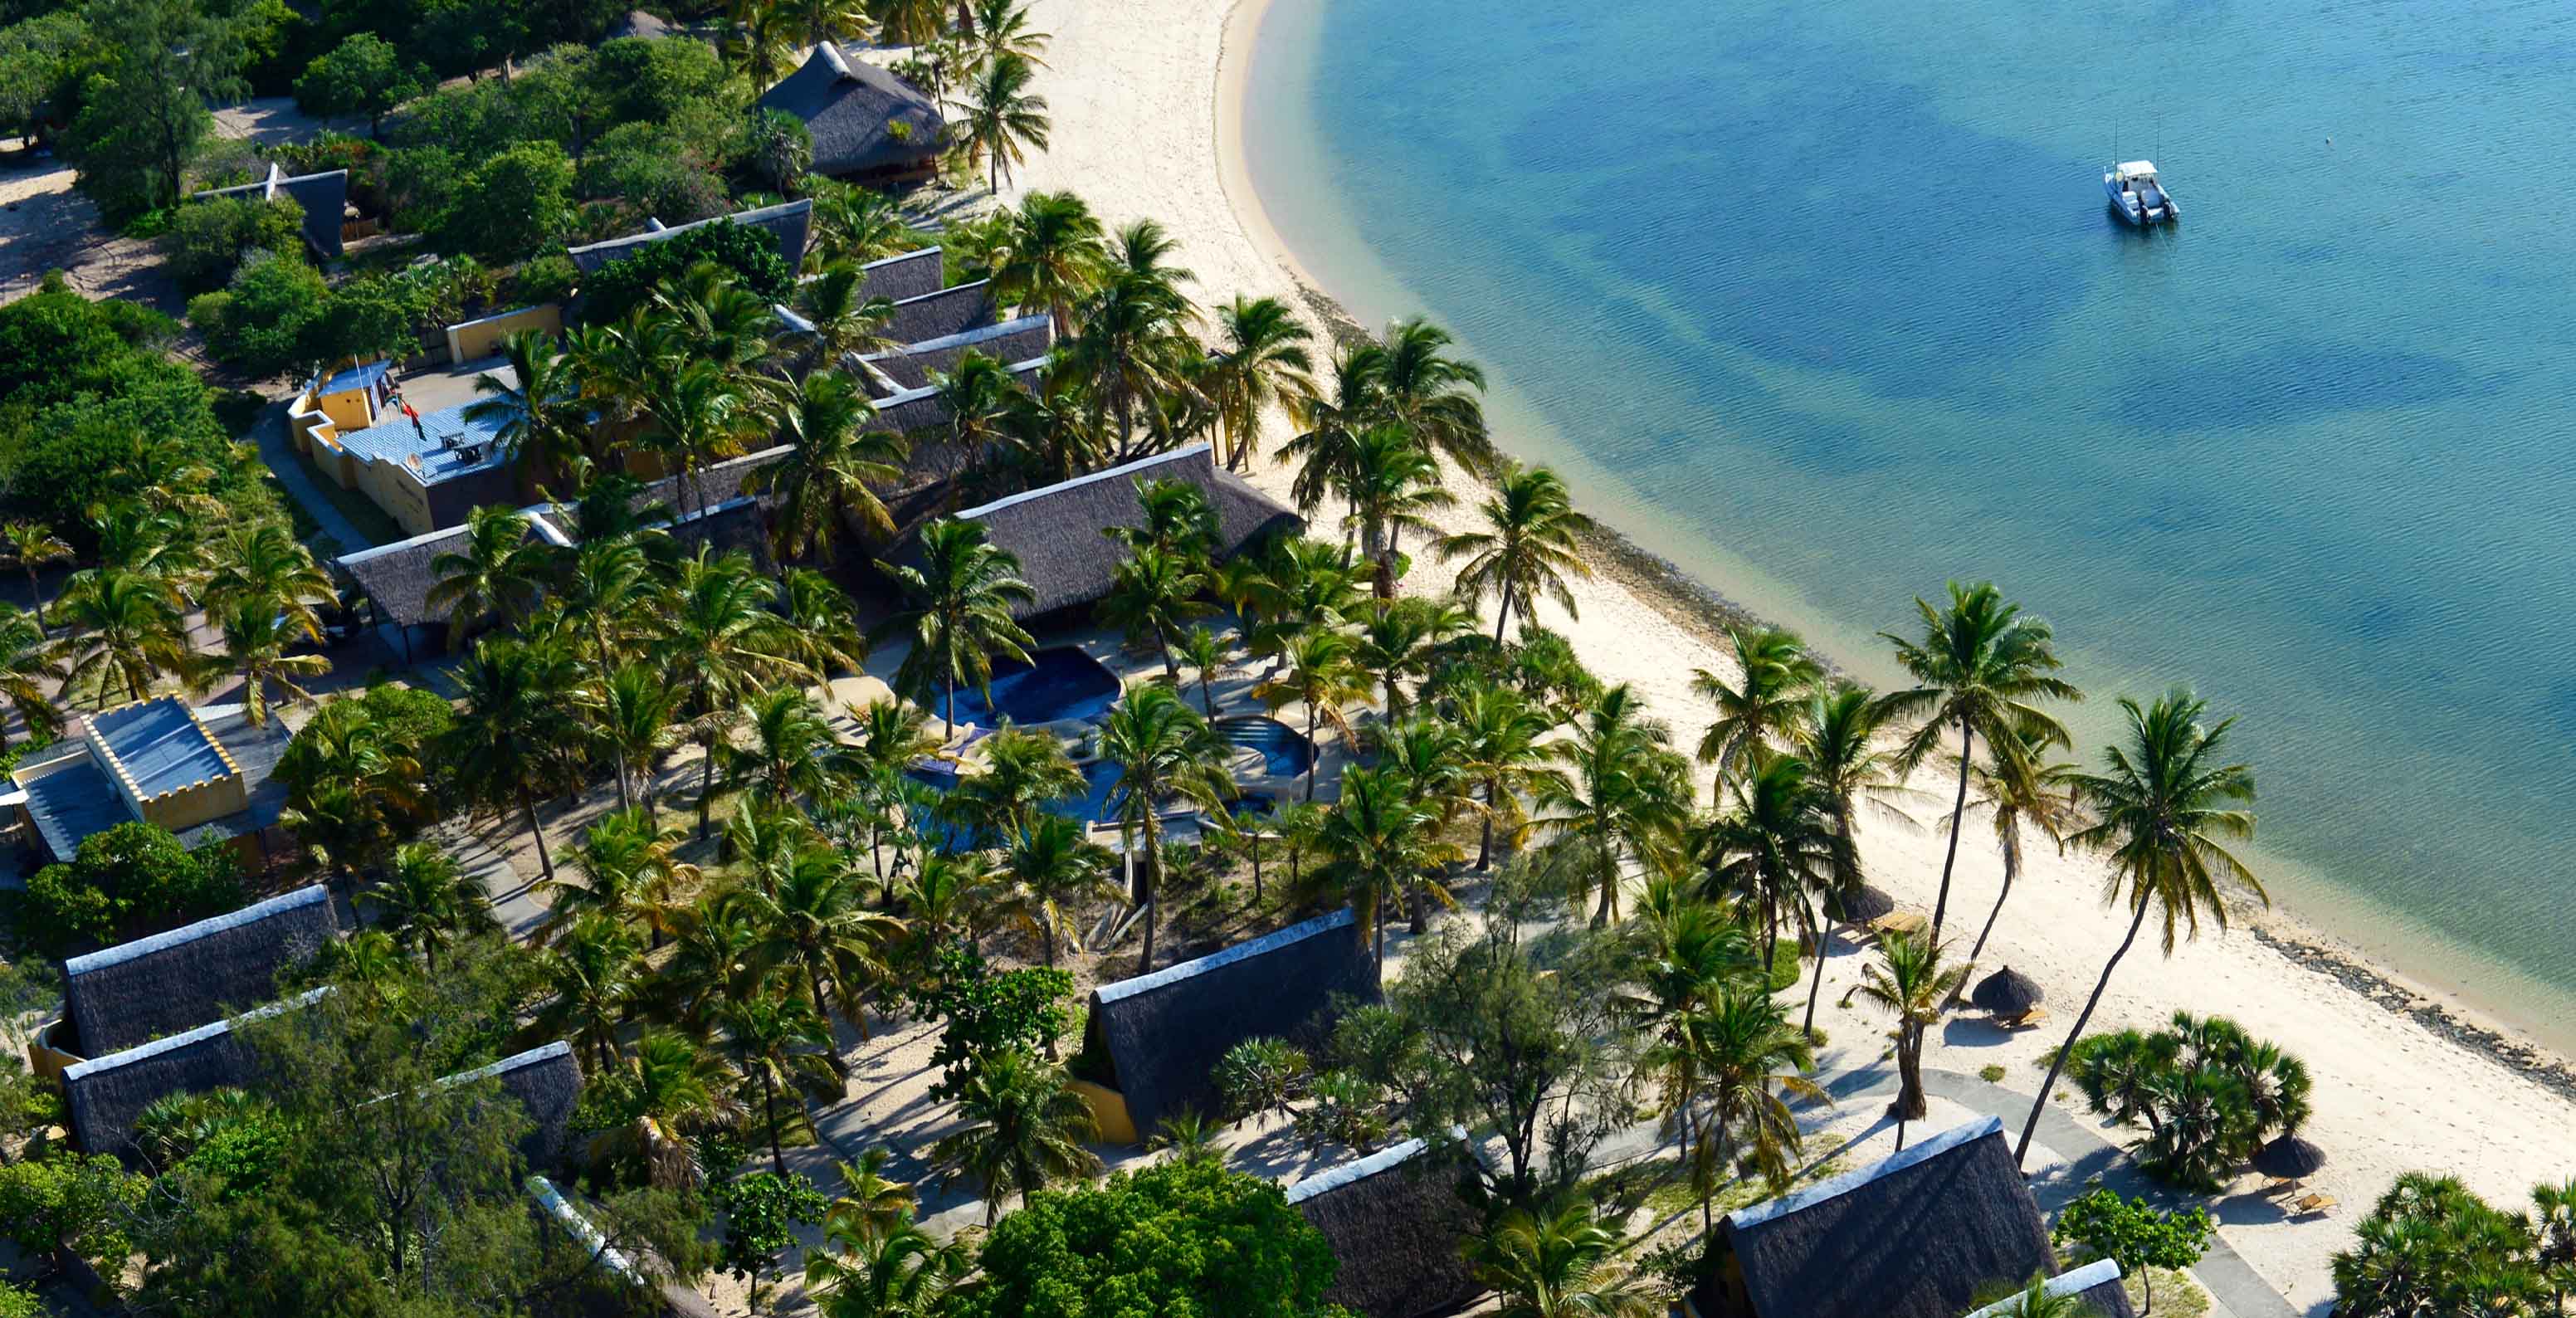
x: 1822, y: 301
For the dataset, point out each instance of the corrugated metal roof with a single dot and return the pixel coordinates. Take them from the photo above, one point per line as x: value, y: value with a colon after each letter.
x: 425, y: 449
x: 160, y: 745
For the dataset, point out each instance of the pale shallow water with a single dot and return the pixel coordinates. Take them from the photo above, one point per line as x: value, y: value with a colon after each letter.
x: 1822, y: 301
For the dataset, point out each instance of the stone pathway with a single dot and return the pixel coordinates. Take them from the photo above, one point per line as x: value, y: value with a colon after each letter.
x: 514, y: 900
x: 275, y: 450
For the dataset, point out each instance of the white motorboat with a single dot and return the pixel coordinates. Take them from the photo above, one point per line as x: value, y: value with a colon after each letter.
x: 2134, y: 192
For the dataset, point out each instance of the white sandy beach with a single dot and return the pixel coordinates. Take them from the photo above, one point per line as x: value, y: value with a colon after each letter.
x: 1142, y: 92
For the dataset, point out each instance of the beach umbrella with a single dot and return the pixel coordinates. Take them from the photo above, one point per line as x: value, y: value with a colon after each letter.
x: 1859, y: 906
x: 2289, y: 1157
x: 2007, y: 992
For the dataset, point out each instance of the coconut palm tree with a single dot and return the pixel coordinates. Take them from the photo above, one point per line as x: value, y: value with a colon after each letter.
x: 1205, y: 652
x: 725, y: 640
x: 1164, y: 751
x: 1689, y: 950
x: 677, y: 1087
x: 1317, y: 670
x: 2020, y: 787
x: 1003, y: 118
x: 600, y: 586
x: 779, y: 1044
x: 536, y: 411
x: 430, y: 902
x: 1760, y: 711
x: 1772, y: 846
x: 843, y: 320
x: 1002, y: 27
x: 1053, y: 256
x: 855, y: 225
x: 2165, y: 807
x: 960, y: 601
x: 871, y: 1205
x: 1021, y: 1129
x: 694, y: 412
x: 1376, y: 841
x: 260, y: 564
x: 825, y: 625
x: 909, y: 22
x: 1753, y: 1063
x: 493, y: 578
x: 1134, y: 349
x: 2553, y: 1230
x: 1910, y: 982
x: 1433, y: 393
x: 1402, y: 640
x: 1330, y: 423
x: 256, y: 641
x: 1498, y: 748
x: 1299, y: 585
x: 1051, y: 865
x: 1021, y: 774
x: 1979, y: 667
x: 788, y: 755
x: 29, y: 546
x: 1838, y: 739
x: 898, y: 1272
x: 1564, y: 1265
x: 1152, y: 596
x: 1393, y: 484
x: 1529, y: 541
x: 29, y: 674
x: 815, y: 919
x: 1261, y: 362
x: 630, y: 870
x: 827, y: 20
x: 2035, y: 1301
x: 1617, y: 787
x: 515, y: 731
x: 633, y: 712
x: 759, y: 41
x: 596, y: 975
x: 126, y: 629
x: 824, y: 485
x: 1427, y: 757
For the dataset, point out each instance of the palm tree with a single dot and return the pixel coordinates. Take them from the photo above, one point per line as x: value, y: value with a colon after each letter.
x: 1152, y: 596
x: 633, y: 713
x: 600, y: 585
x: 494, y: 577
x: 1433, y: 393
x: 1529, y: 544
x: 908, y: 22
x: 898, y: 1272
x: 786, y: 759
x: 29, y: 673
x: 778, y: 1042
x: 1022, y: 1128
x: 1317, y: 671
x: 854, y: 225
x: 536, y: 412
x: 430, y: 901
x: 694, y: 413
x: 1134, y: 349
x: 1401, y: 641
x: 1978, y: 667
x: 1773, y: 846
x: 2019, y: 787
x: 827, y: 20
x: 840, y: 318
x: 1753, y: 1063
x: 1392, y: 484
x: 1051, y: 865
x: 1690, y: 951
x: 1377, y: 840
x: 1564, y: 1265
x: 515, y: 731
x: 1760, y: 712
x: 260, y: 564
x: 596, y: 973
x: 1909, y: 982
x: 1426, y: 756
x: 630, y: 870
x: 871, y: 1205
x: 2553, y: 1223
x: 983, y: 401
x: 1003, y: 118
x: 725, y: 639
x: 1204, y: 651
x: 1616, y: 788
x: 1261, y: 362
x: 1837, y: 737
x: 1164, y: 751
x: 816, y: 920
x: 2035, y: 1301
x: 2165, y: 807
x: 1052, y: 256
x: 1002, y: 27
x: 677, y: 1087
x: 758, y: 41
x: 256, y: 641
x: 826, y: 627
x: 1498, y: 747
x: 1330, y: 423
x: 1022, y: 773
x: 824, y: 483
x: 961, y: 597
x: 126, y: 628
x: 29, y: 546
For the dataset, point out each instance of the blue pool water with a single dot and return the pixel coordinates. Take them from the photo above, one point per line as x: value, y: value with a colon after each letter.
x: 1822, y: 301
x: 1284, y: 750
x: 1098, y: 803
x: 1064, y: 684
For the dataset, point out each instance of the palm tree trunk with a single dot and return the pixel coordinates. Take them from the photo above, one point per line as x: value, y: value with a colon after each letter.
x: 706, y: 783
x: 1602, y: 915
x: 2009, y: 867
x: 1312, y: 760
x: 1958, y: 814
x: 769, y: 1110
x: 1502, y: 614
x: 2058, y: 1063
x: 528, y: 809
x: 1153, y: 877
x: 36, y: 601
x: 1816, y: 986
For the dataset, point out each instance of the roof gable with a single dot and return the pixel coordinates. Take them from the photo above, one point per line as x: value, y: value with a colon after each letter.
x: 850, y: 106
x: 132, y: 992
x: 1396, y: 1223
x: 791, y: 224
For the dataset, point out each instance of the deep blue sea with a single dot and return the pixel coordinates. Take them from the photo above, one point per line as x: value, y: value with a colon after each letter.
x: 1822, y: 301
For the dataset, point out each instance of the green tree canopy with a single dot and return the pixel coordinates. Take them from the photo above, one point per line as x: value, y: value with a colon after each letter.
x: 364, y: 75
x: 750, y: 254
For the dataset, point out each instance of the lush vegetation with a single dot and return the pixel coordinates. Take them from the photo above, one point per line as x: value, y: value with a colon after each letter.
x: 2433, y: 1246
x: 2207, y: 1093
x: 2134, y: 1234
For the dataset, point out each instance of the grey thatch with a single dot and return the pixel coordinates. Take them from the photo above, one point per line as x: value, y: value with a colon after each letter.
x: 1162, y: 1032
x: 138, y: 991
x: 2289, y: 1156
x: 791, y: 224
x: 1396, y: 1225
x: 1011, y: 341
x: 1056, y: 530
x: 398, y: 576
x: 324, y: 199
x: 1915, y: 1236
x: 947, y: 312
x: 2008, y: 992
x: 637, y: 23
x: 106, y: 1094
x: 1863, y: 905
x: 866, y: 122
x: 546, y: 1082
x: 909, y: 275
x: 2097, y: 1282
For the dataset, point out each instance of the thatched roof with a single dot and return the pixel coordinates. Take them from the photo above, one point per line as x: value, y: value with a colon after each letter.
x: 851, y: 107
x: 1056, y: 530
x: 2290, y: 1156
x: 1914, y: 1236
x: 324, y: 199
x: 637, y: 23
x: 106, y: 1094
x: 134, y: 992
x: 909, y: 275
x: 1162, y: 1032
x: 398, y: 576
x: 1862, y: 906
x: 547, y: 1082
x: 2008, y: 992
x: 1396, y: 1223
x: 790, y: 223
x: 2098, y: 1282
x: 1011, y: 341
x: 946, y: 312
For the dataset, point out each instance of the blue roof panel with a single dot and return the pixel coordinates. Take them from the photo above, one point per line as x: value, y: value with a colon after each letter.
x: 73, y: 802
x: 356, y: 377
x: 161, y: 746
x: 435, y: 442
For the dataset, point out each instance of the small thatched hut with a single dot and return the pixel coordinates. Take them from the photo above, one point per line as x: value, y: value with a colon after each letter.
x: 1396, y: 1224
x: 904, y: 276
x: 135, y: 992
x: 1151, y: 1040
x: 106, y: 1094
x: 1914, y: 1236
x: 867, y: 124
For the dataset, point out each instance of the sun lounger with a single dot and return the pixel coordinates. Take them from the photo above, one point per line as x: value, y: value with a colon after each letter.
x: 2030, y: 1019
x: 2315, y: 1205
x: 1898, y: 922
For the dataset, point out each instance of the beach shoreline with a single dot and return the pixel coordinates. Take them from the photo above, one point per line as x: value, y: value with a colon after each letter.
x: 1149, y: 98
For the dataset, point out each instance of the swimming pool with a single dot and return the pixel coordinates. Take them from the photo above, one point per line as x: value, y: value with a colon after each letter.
x: 1285, y: 751
x: 1063, y: 684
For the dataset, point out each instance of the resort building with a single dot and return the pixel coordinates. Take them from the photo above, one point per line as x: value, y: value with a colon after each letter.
x: 791, y: 224
x: 106, y: 1095
x: 1018, y: 344
x: 1151, y: 1040
x: 329, y: 221
x: 867, y: 124
x: 1917, y: 1235
x: 133, y: 993
x: 1397, y: 1228
x: 903, y: 277
x: 203, y: 774
x: 409, y: 446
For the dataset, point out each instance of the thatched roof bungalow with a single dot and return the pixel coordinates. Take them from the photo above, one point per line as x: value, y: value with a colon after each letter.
x: 904, y: 276
x: 789, y: 224
x: 948, y: 311
x: 1160, y: 1033
x: 106, y: 1094
x: 323, y: 198
x: 867, y: 124
x: 1396, y: 1224
x: 1916, y: 1235
x: 546, y: 1081
x: 898, y: 369
x: 135, y: 992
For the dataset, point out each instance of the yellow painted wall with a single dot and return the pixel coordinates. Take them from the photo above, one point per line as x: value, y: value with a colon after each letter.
x: 1108, y: 1112
x: 347, y: 409
x: 399, y: 493
x: 190, y: 806
x: 477, y: 339
x: 46, y: 1060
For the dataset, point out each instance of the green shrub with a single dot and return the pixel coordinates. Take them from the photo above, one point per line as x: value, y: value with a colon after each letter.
x: 549, y: 278
x: 1991, y: 1074
x: 1784, y: 964
x: 2208, y: 1093
x: 132, y: 874
x: 510, y: 205
x: 206, y: 240
x: 751, y: 254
